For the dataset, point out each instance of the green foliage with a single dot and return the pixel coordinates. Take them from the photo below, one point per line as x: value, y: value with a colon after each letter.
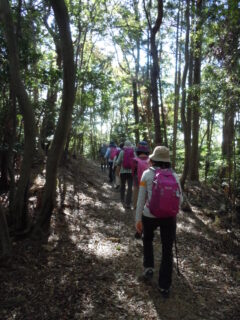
x: 107, y: 38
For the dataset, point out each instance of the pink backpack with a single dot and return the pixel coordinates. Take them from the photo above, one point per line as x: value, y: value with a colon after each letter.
x: 128, y: 156
x: 142, y: 165
x: 165, y: 199
x: 113, y: 153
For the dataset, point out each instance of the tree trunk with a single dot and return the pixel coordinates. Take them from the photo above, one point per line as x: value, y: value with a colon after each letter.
x: 136, y: 112
x: 176, y: 93
x: 194, y: 170
x: 21, y: 197
x: 135, y: 81
x: 154, y: 89
x: 164, y: 122
x: 147, y: 99
x: 11, y: 161
x: 5, y: 243
x: 155, y: 69
x: 233, y: 17
x: 210, y: 122
x: 6, y: 138
x: 64, y: 121
x: 228, y: 137
x: 184, y: 118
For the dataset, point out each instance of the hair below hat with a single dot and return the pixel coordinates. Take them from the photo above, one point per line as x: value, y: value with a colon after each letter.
x: 160, y: 153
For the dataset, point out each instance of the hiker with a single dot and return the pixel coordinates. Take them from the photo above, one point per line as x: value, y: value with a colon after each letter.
x: 124, y: 161
x: 159, y: 199
x: 140, y: 164
x: 116, y: 168
x: 102, y: 151
x: 109, y: 155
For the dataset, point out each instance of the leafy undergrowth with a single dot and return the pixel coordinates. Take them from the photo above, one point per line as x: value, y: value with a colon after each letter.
x: 90, y: 267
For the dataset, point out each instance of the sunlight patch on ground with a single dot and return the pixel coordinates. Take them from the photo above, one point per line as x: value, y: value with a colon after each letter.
x: 132, y: 299
x: 106, y: 248
x: 103, y: 247
x: 187, y: 228
x: 105, y: 186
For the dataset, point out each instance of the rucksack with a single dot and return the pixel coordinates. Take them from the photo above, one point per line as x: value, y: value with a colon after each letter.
x: 113, y: 152
x: 128, y: 156
x: 165, y: 198
x: 142, y: 165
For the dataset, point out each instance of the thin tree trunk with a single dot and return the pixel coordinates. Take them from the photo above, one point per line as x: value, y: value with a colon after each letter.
x: 5, y: 243
x: 155, y: 69
x: 148, y: 94
x: 176, y: 93
x: 64, y: 121
x: 21, y: 197
x: 194, y: 170
x: 228, y: 139
x: 210, y: 122
x: 184, y: 119
x: 164, y: 124
x: 135, y: 81
x: 136, y: 112
x: 11, y: 161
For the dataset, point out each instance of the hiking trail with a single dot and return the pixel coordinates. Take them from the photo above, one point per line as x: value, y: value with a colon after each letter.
x: 90, y: 267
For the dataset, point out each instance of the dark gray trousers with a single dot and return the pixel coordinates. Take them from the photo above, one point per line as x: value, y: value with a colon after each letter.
x: 126, y: 178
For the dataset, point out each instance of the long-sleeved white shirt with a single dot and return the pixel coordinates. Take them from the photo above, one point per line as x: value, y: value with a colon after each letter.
x: 145, y: 193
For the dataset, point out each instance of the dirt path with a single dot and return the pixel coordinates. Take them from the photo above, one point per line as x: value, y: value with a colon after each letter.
x: 90, y: 266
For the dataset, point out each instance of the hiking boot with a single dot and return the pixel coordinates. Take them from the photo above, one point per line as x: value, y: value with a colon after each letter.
x: 164, y: 292
x: 127, y: 206
x: 148, y: 274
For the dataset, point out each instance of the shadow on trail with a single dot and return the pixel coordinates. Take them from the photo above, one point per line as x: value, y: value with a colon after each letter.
x: 89, y: 268
x: 222, y: 244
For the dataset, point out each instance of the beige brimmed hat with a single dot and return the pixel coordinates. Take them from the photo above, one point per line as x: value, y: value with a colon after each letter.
x: 160, y: 153
x: 127, y: 143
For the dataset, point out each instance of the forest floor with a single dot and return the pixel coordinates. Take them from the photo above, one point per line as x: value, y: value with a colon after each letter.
x: 90, y: 267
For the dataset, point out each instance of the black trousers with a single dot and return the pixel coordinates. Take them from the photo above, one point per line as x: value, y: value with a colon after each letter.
x: 168, y: 234
x: 111, y: 174
x: 126, y: 178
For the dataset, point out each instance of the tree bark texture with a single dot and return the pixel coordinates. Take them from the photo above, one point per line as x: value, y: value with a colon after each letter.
x: 164, y: 122
x: 155, y: 69
x: 194, y: 171
x: 136, y: 111
x: 184, y: 118
x: 135, y: 80
x: 176, y: 93
x: 5, y: 243
x: 21, y: 197
x: 64, y: 121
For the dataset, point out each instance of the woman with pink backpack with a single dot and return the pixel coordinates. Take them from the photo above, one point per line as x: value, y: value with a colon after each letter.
x: 159, y: 200
x: 140, y: 164
x: 124, y: 161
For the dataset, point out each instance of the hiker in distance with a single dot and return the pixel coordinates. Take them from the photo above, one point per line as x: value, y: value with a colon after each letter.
x: 102, y: 151
x: 139, y: 165
x: 124, y: 161
x: 109, y: 155
x: 116, y: 168
x: 159, y: 200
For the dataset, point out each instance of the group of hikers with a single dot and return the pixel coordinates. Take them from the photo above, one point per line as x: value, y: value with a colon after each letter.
x: 154, y: 191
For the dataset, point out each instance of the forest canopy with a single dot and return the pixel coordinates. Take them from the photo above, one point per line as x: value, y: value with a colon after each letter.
x: 76, y: 74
